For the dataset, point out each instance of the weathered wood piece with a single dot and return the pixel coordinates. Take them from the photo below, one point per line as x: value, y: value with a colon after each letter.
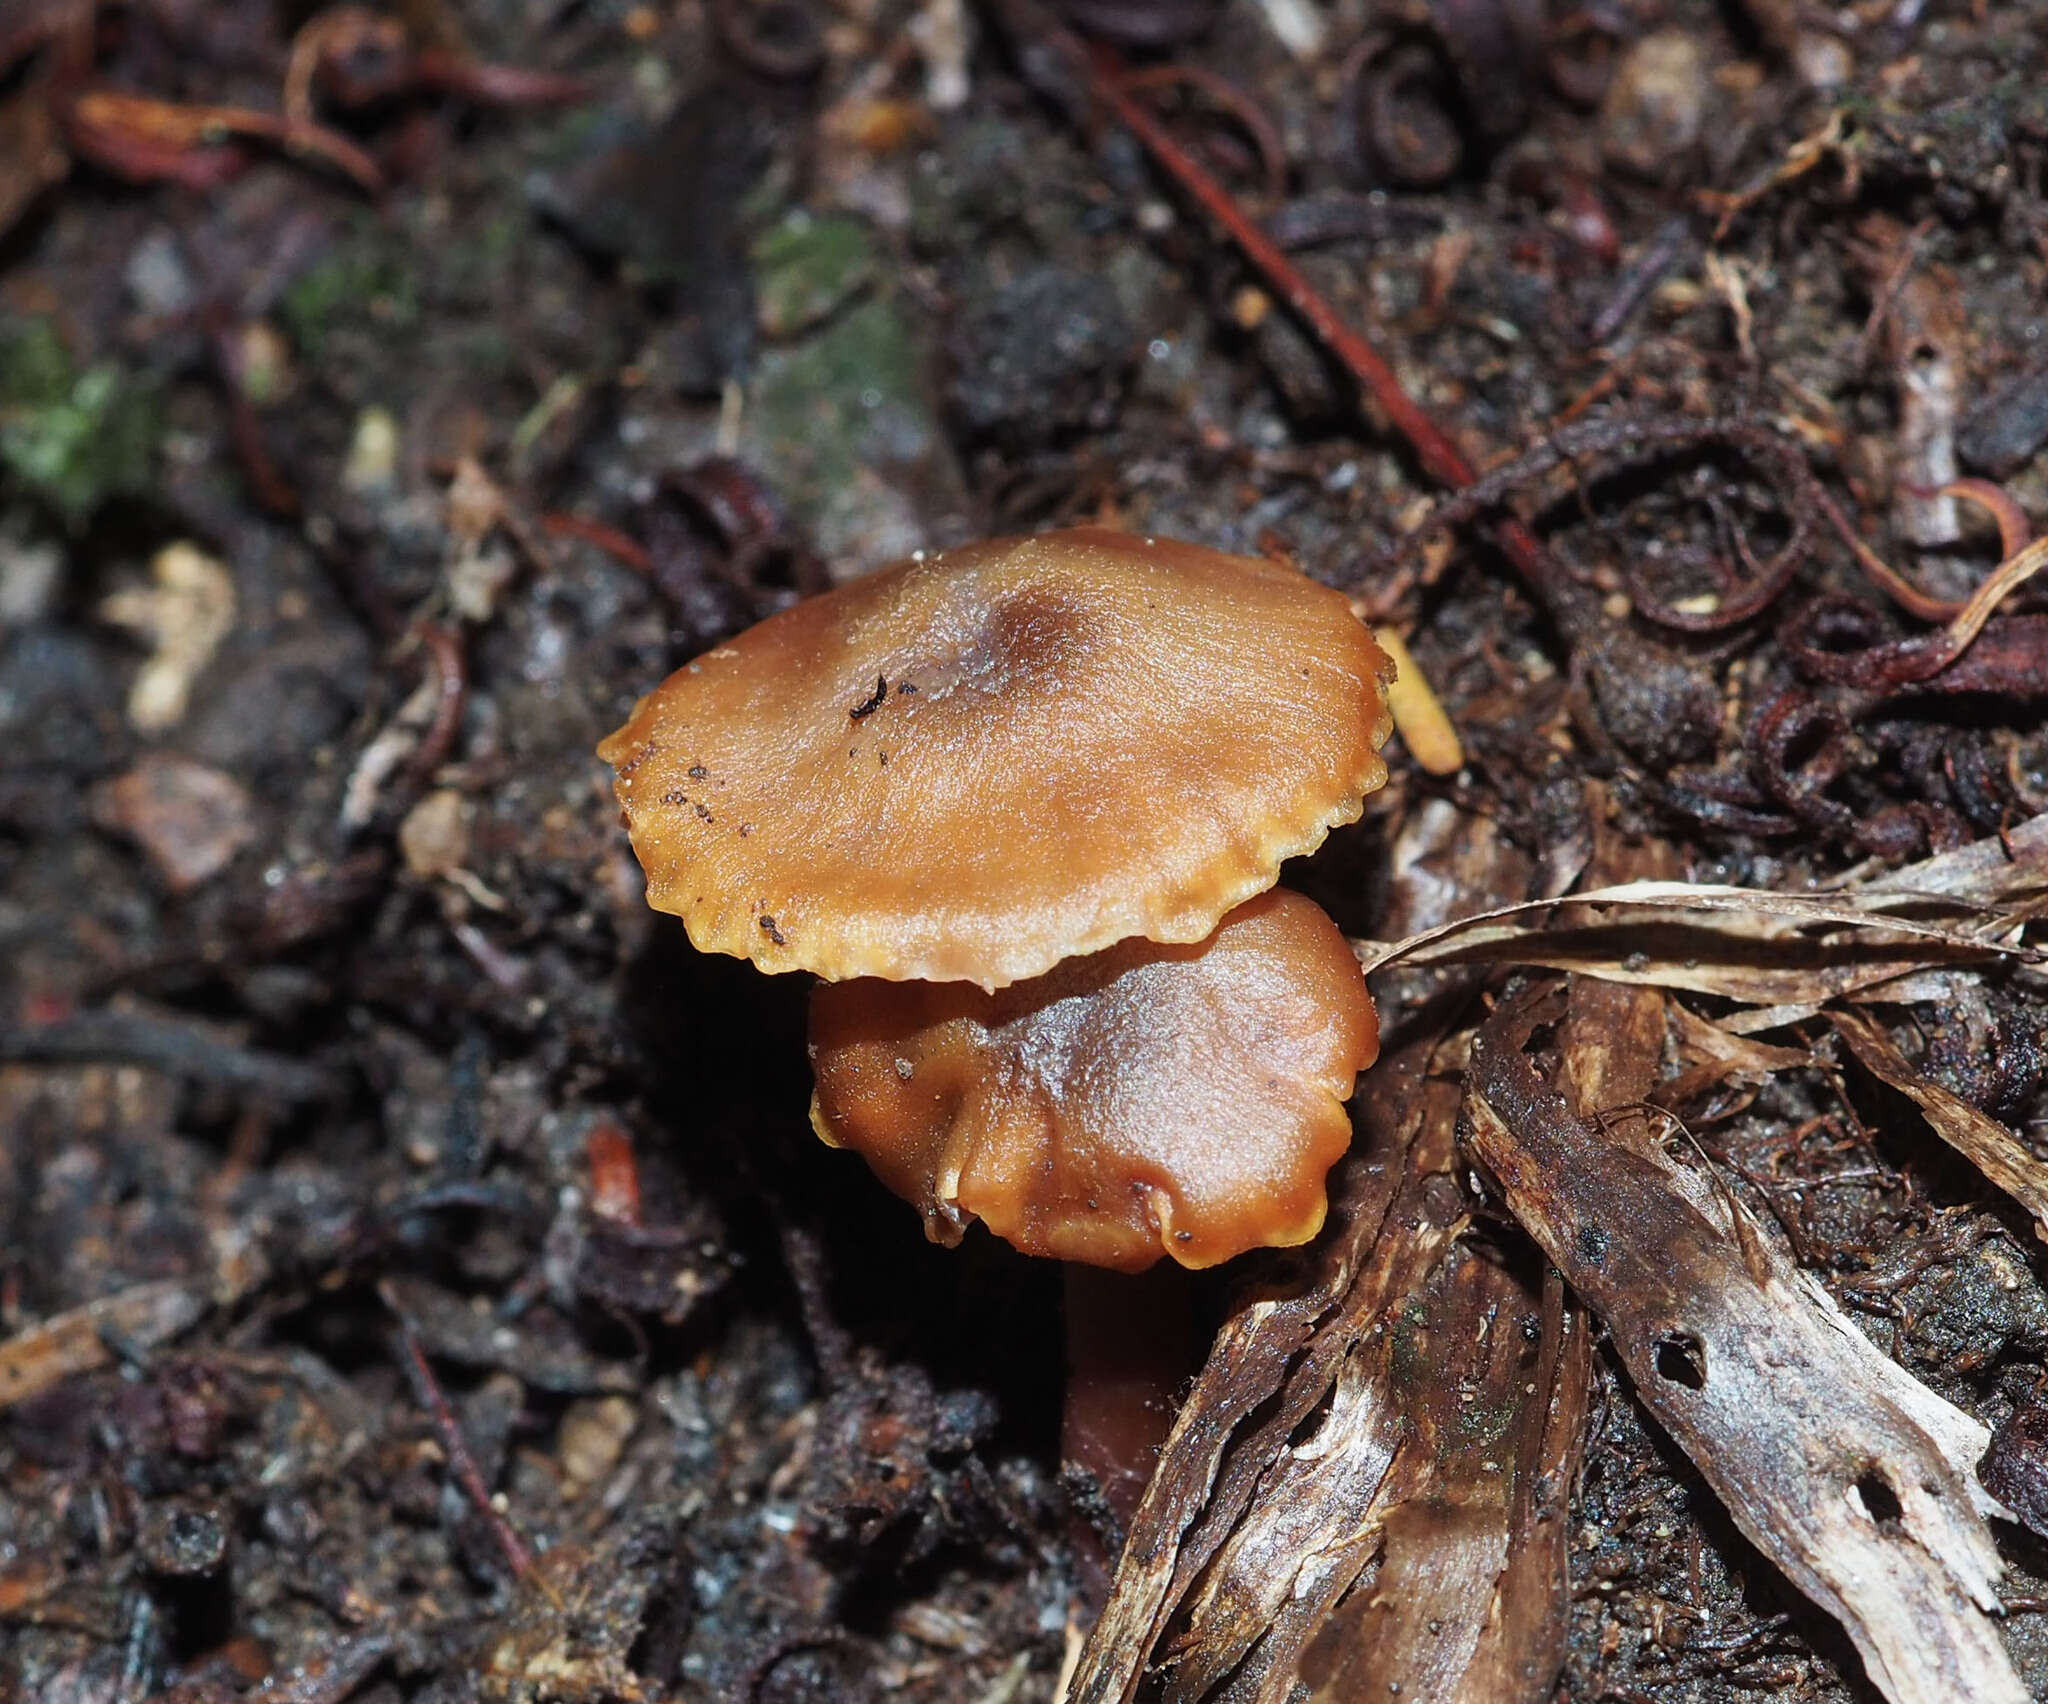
x: 1850, y: 1475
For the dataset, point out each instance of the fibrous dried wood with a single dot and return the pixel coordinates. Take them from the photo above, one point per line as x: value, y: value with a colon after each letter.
x: 1314, y: 1526
x: 1850, y: 1475
x: 1266, y: 1353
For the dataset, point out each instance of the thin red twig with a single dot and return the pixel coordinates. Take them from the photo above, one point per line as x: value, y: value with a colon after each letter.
x: 559, y: 523
x: 1441, y: 458
x: 1437, y: 453
x: 460, y: 1461
x: 1234, y: 101
x: 1882, y: 574
x: 450, y: 663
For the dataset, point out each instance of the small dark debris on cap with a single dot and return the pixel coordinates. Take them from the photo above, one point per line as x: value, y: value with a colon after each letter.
x: 873, y: 702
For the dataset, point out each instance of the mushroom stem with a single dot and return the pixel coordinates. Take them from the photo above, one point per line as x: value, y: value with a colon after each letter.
x: 1131, y: 1345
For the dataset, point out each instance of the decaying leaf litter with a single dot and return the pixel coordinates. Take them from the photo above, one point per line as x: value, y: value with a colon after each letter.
x: 419, y: 1282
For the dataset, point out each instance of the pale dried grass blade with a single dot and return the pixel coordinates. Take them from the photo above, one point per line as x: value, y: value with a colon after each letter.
x: 1979, y: 1138
x: 1795, y: 951
x: 1736, y: 913
x: 1720, y: 1055
x: 2008, y: 871
x: 2009, y: 576
x: 1759, y: 946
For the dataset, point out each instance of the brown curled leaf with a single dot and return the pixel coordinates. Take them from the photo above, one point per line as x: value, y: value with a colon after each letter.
x: 145, y: 138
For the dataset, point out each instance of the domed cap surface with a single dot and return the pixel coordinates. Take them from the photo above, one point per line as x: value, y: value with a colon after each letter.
x: 1146, y: 1100
x: 975, y: 765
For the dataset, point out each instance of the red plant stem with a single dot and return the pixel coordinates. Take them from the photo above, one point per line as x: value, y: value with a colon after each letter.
x: 1234, y: 101
x: 1436, y: 452
x: 615, y: 544
x: 2015, y: 531
x: 443, y: 645
x: 1440, y: 458
x: 463, y: 1464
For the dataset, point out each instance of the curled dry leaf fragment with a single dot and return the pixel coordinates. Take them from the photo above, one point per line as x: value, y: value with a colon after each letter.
x: 976, y: 764
x: 185, y: 616
x: 1656, y: 104
x: 944, y: 38
x: 1419, y: 716
x: 31, y: 573
x: 435, y: 834
x: 387, y: 753
x: 371, y: 467
x: 1148, y: 1099
x: 480, y: 565
x: 189, y: 819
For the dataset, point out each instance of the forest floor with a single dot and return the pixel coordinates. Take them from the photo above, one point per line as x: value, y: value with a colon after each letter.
x: 418, y: 1278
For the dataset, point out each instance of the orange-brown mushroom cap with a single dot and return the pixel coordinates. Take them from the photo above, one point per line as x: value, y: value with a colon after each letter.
x: 1147, y: 1100
x: 974, y: 765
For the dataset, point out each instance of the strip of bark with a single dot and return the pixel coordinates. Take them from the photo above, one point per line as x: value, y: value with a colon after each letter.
x: 1314, y: 1527
x: 1288, y: 1349
x: 1196, y: 1496
x: 1470, y: 1601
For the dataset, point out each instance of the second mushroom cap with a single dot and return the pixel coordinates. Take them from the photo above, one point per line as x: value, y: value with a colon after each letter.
x: 977, y: 764
x: 1145, y: 1100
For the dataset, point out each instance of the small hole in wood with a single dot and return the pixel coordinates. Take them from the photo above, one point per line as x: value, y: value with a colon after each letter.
x: 1879, y: 1500
x: 1682, y: 1359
